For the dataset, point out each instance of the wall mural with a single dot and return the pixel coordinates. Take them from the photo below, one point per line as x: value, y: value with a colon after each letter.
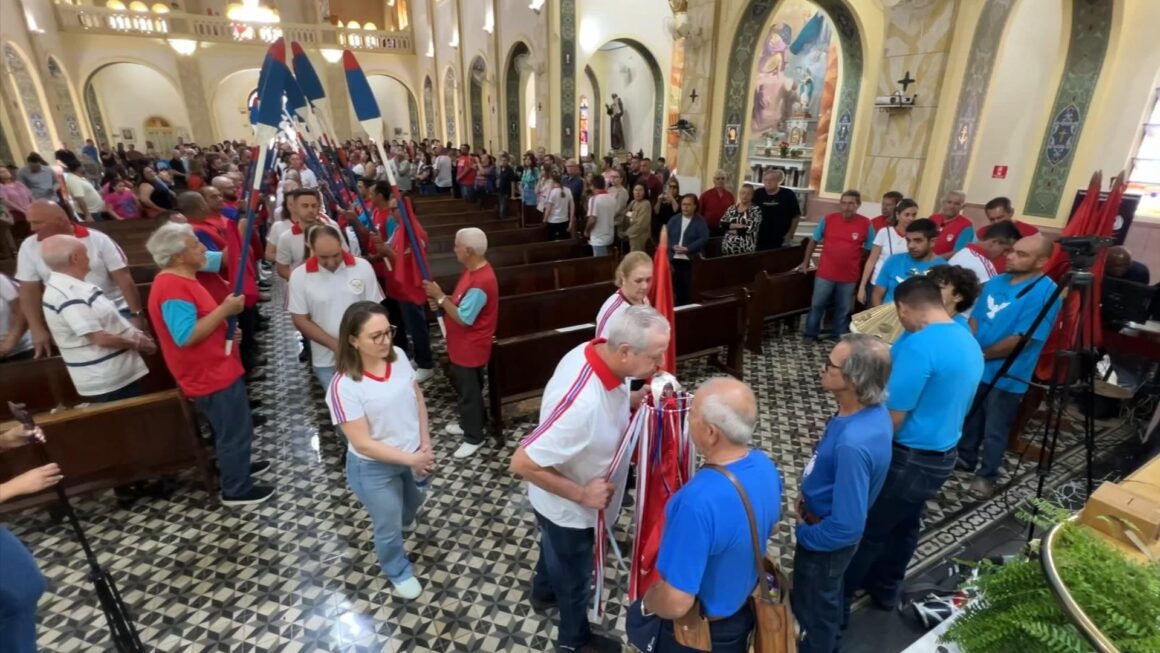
x: 428, y: 107
x: 568, y: 78
x: 64, y: 105
x: 980, y: 64
x: 512, y: 84
x: 29, y: 101
x: 791, y: 67
x: 476, y: 76
x: 452, y: 133
x: 743, y: 57
x: 96, y: 118
x: 1091, y: 25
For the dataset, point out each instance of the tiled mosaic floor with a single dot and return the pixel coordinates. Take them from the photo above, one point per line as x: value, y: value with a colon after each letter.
x: 298, y: 573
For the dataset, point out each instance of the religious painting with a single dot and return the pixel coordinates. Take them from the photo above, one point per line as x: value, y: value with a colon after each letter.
x: 791, y: 67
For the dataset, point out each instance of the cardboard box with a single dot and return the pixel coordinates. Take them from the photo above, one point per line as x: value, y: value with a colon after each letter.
x: 1121, y: 502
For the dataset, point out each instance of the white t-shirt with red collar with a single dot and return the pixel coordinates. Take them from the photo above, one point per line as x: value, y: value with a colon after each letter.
x: 388, y: 403
x: 610, y: 311
x: 583, y: 415
x: 105, y: 257
x: 324, y: 296
x: 291, y: 245
x: 973, y: 259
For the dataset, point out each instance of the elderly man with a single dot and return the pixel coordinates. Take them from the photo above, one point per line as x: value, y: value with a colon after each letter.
x: 472, y: 311
x: 956, y: 230
x: 38, y: 177
x: 108, y: 270
x: 99, y: 346
x: 839, y: 485
x: 573, y: 180
x: 928, y: 394
x: 706, y: 551
x: 1004, y: 313
x: 780, y: 211
x: 191, y: 331
x: 715, y: 202
x: 584, y: 411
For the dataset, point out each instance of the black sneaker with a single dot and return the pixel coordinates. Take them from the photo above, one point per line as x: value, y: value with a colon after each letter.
x: 259, y: 467
x: 258, y: 420
x: 598, y: 643
x: 257, y: 494
x: 544, y: 605
x: 255, y: 404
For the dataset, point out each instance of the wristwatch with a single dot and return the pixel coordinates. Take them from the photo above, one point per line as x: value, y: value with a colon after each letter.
x: 140, y: 313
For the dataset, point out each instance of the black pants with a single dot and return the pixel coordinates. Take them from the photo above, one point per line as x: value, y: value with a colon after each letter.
x: 468, y: 383
x: 395, y: 313
x: 557, y: 230
x: 682, y: 281
x: 248, y: 323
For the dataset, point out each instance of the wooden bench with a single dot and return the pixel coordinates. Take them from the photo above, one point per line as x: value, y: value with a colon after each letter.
x: 445, y: 265
x: 445, y: 243
x: 726, y: 272
x: 548, y: 275
x: 551, y: 309
x: 521, y: 366
x: 489, y: 227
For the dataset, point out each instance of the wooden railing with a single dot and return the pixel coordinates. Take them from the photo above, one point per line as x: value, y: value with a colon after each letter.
x: 219, y: 29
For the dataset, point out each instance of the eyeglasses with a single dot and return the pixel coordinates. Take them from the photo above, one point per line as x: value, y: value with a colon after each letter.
x: 825, y: 366
x: 382, y: 336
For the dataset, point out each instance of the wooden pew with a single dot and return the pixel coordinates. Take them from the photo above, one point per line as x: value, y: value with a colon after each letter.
x: 445, y: 243
x: 551, y: 309
x: 726, y: 272
x: 489, y: 227
x: 776, y: 296
x: 465, y: 217
x: 445, y: 265
x: 549, y: 275
x: 521, y: 366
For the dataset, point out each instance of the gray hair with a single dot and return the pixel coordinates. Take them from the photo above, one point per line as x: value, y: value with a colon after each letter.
x: 473, y: 237
x: 735, y: 422
x: 57, y: 251
x: 168, y: 241
x: 867, y: 368
x: 633, y: 326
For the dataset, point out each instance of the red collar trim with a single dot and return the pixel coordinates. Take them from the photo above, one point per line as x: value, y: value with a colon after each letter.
x: 380, y: 378
x: 80, y: 231
x: 295, y: 229
x: 603, y: 372
x: 599, y: 191
x: 974, y: 247
x: 312, y: 262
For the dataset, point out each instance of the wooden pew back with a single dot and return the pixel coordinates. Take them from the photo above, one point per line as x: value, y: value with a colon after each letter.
x: 739, y: 269
x: 551, y: 309
x: 44, y: 384
x: 445, y: 243
x: 548, y: 275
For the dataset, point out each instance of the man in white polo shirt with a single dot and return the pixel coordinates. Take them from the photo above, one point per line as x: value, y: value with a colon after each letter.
x: 322, y: 288
x: 108, y: 270
x: 601, y: 227
x: 995, y: 241
x: 583, y: 414
x: 99, y: 346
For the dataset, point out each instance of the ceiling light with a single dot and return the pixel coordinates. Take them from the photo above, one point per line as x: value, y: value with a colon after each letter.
x: 184, y: 47
x: 331, y: 56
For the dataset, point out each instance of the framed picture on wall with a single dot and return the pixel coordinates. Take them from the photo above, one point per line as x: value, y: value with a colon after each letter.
x: 127, y: 134
x: 1124, y: 217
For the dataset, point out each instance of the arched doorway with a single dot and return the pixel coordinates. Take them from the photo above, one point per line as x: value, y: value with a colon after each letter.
x: 397, y: 104
x: 28, y: 96
x: 429, y: 108
x: 478, y: 75
x: 517, y: 71
x: 761, y: 27
x: 66, y: 107
x: 160, y: 136
x: 233, y: 99
x: 451, y: 106
x: 628, y: 71
x: 130, y: 94
x: 598, y: 107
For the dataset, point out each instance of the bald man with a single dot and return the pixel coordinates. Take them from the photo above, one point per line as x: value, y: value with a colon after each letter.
x: 1004, y: 312
x: 108, y: 270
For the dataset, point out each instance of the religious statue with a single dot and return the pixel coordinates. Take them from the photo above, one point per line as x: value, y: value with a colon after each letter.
x: 806, y: 91
x: 616, y: 113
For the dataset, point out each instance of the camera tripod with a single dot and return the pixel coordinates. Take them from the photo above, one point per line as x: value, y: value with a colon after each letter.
x: 121, y: 628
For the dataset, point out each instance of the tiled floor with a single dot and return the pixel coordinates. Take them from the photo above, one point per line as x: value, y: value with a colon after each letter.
x: 298, y: 573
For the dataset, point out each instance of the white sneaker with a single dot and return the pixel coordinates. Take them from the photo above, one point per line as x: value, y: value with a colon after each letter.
x: 409, y: 589
x: 410, y: 528
x: 467, y: 450
x: 424, y: 374
x: 453, y: 429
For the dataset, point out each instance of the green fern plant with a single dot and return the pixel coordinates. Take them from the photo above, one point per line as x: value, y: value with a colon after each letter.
x: 1017, y: 613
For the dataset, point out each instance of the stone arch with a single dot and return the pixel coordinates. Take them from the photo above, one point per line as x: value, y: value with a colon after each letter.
x: 477, y: 76
x: 66, y: 104
x: 739, y: 74
x: 30, y: 98
x: 230, y: 104
x: 450, y: 106
x: 100, y: 114
x: 513, y: 98
x: 429, y: 107
x: 412, y: 105
x: 658, y: 88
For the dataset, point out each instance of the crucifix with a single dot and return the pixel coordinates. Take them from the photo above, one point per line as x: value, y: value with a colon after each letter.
x: 693, y: 96
x: 906, y: 81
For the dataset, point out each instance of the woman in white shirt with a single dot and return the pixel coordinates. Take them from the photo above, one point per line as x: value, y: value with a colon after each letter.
x: 558, y: 213
x: 887, y: 243
x: 633, y: 278
x: 376, y: 400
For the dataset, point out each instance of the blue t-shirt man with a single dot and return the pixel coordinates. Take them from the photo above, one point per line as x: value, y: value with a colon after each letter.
x: 935, y: 373
x: 706, y: 549
x: 899, y: 268
x: 1001, y: 312
x: 856, y: 449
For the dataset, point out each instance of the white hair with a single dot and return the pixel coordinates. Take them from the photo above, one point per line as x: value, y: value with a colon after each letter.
x: 57, y: 251
x: 867, y: 367
x: 737, y: 426
x: 168, y: 241
x: 633, y: 327
x: 473, y: 238
x: 961, y: 194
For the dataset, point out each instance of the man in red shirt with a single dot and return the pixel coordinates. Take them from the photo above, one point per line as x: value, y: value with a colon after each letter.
x: 653, y: 184
x: 844, y: 236
x: 715, y: 201
x: 465, y: 174
x: 472, y: 311
x: 999, y: 209
x: 890, y: 202
x: 956, y: 230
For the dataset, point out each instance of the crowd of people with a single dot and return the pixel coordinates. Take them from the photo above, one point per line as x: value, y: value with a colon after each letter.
x: 333, y: 237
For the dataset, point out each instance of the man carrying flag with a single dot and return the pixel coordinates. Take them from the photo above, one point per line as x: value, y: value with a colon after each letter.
x: 583, y: 415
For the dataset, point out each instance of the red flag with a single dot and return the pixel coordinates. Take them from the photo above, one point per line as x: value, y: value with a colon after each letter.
x: 408, y: 280
x: 660, y: 295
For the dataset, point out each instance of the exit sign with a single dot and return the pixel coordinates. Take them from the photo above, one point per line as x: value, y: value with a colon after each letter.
x: 999, y: 172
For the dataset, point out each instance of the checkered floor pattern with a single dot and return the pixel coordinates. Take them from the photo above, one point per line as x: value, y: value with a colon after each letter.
x: 298, y: 573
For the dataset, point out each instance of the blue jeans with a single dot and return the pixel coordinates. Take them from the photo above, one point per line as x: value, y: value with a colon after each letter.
x: 842, y: 295
x: 415, y: 324
x: 391, y: 498
x: 563, y: 574
x: 468, y: 192
x: 601, y: 250
x: 817, y: 597
x: 989, y: 426
x: 134, y: 389
x: 19, y: 593
x: 728, y: 635
x: 893, y: 524
x: 228, y: 412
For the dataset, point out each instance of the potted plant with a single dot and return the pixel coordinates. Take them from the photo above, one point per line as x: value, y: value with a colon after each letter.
x: 1016, y: 610
x: 783, y: 149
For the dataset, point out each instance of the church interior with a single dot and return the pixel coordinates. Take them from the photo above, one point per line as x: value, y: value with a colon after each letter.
x: 1018, y: 99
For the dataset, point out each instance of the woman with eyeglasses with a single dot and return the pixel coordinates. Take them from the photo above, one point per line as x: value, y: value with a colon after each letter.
x: 376, y: 400
x: 741, y: 223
